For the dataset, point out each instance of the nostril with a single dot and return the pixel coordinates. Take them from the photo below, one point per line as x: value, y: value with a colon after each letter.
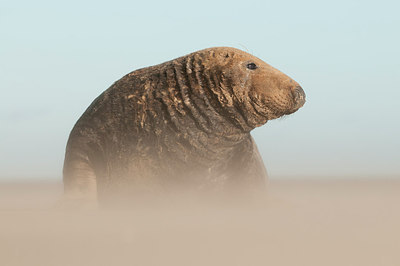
x: 299, y: 96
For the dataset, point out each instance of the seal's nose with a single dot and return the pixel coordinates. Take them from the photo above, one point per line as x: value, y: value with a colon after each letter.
x: 299, y: 97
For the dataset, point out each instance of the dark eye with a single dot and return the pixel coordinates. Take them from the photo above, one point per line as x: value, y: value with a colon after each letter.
x: 251, y: 66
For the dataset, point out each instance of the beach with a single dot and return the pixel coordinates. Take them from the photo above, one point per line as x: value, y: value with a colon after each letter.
x: 300, y: 222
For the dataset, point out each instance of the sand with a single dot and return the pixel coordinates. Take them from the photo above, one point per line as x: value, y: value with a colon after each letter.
x: 301, y: 222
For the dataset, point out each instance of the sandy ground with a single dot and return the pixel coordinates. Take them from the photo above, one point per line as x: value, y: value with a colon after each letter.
x: 301, y: 222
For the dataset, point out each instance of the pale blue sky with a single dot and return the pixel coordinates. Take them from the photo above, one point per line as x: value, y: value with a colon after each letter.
x: 56, y: 57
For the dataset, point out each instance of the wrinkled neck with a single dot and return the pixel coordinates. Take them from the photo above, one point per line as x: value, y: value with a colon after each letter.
x: 196, y: 98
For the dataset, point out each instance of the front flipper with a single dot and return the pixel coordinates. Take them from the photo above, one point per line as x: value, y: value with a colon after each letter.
x: 80, y: 184
x: 247, y: 169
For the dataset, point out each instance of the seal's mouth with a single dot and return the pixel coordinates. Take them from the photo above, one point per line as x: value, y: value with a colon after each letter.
x: 291, y: 111
x: 278, y: 106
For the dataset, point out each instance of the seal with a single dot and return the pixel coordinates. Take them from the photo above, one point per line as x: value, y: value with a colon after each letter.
x: 182, y: 124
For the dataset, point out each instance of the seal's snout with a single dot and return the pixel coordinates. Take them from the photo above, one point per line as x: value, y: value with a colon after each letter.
x: 299, y: 97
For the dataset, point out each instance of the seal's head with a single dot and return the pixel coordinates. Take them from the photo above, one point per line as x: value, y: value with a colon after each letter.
x: 259, y: 91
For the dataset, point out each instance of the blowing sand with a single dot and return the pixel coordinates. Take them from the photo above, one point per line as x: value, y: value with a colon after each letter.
x: 302, y: 222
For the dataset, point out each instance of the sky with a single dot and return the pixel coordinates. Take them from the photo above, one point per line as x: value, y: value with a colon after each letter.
x: 56, y: 57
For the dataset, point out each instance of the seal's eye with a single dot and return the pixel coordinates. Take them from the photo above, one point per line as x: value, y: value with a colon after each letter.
x: 251, y: 66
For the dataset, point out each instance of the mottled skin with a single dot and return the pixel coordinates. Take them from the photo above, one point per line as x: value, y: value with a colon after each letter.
x: 182, y: 124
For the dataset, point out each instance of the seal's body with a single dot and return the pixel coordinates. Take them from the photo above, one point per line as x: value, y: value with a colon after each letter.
x: 184, y: 123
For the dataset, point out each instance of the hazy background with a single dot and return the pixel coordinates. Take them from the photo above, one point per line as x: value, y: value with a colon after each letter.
x: 56, y: 57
